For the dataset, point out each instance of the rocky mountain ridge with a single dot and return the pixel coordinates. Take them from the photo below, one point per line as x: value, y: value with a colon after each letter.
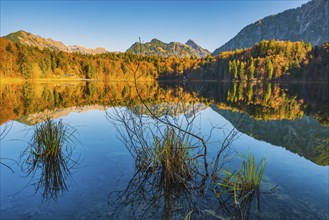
x: 158, y: 48
x: 30, y: 39
x: 308, y: 23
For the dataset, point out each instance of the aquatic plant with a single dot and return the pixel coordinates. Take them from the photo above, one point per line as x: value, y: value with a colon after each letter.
x: 168, y: 155
x: 4, y: 130
x: 49, y: 152
x: 242, y: 185
x: 168, y: 167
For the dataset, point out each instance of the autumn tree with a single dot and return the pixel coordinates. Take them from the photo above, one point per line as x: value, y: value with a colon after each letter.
x: 251, y: 69
x: 24, y: 65
x: 269, y: 68
x: 242, y: 75
x: 88, y: 69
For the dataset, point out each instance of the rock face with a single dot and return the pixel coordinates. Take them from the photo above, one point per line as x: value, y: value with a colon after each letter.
x: 308, y: 23
x: 201, y: 51
x: 159, y: 48
x: 43, y: 43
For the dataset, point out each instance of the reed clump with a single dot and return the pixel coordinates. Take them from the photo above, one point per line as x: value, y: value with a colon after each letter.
x: 49, y: 154
x: 244, y: 183
x: 168, y: 159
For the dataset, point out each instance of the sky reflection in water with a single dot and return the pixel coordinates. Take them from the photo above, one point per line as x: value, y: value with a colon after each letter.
x: 105, y: 165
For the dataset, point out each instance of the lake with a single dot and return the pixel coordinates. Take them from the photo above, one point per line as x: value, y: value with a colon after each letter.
x: 101, y: 176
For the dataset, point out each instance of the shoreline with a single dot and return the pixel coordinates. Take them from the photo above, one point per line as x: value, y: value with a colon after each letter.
x: 20, y: 80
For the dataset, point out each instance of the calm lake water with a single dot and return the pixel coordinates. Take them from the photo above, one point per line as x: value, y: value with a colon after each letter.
x: 286, y: 124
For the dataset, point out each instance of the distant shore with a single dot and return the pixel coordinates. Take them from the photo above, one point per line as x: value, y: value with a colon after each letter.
x: 145, y: 79
x: 66, y: 79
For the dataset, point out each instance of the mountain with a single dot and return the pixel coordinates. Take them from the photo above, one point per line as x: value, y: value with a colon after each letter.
x: 35, y: 118
x: 304, y: 136
x: 159, y: 48
x: 42, y: 43
x: 201, y: 51
x: 308, y: 23
x: 170, y: 108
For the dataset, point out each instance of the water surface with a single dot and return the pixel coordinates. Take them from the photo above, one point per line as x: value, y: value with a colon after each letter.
x: 285, y: 124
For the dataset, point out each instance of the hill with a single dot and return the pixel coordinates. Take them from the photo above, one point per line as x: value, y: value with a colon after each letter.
x: 269, y: 61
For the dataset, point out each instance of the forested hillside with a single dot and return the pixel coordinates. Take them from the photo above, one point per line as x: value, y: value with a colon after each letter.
x: 271, y: 61
x: 20, y: 61
x: 265, y: 61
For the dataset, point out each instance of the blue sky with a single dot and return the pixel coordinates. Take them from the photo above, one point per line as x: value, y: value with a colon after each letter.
x: 116, y: 25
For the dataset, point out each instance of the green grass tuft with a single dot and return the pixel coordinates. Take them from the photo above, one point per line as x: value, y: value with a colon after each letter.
x: 244, y: 183
x: 49, y: 153
x: 168, y: 158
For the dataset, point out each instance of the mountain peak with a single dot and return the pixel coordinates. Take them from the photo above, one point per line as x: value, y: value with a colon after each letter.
x: 20, y: 32
x: 30, y: 39
x: 190, y: 42
x: 15, y: 35
x: 154, y: 40
x: 203, y: 52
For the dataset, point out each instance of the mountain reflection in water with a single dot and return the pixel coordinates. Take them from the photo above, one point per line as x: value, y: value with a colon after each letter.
x: 294, y: 116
